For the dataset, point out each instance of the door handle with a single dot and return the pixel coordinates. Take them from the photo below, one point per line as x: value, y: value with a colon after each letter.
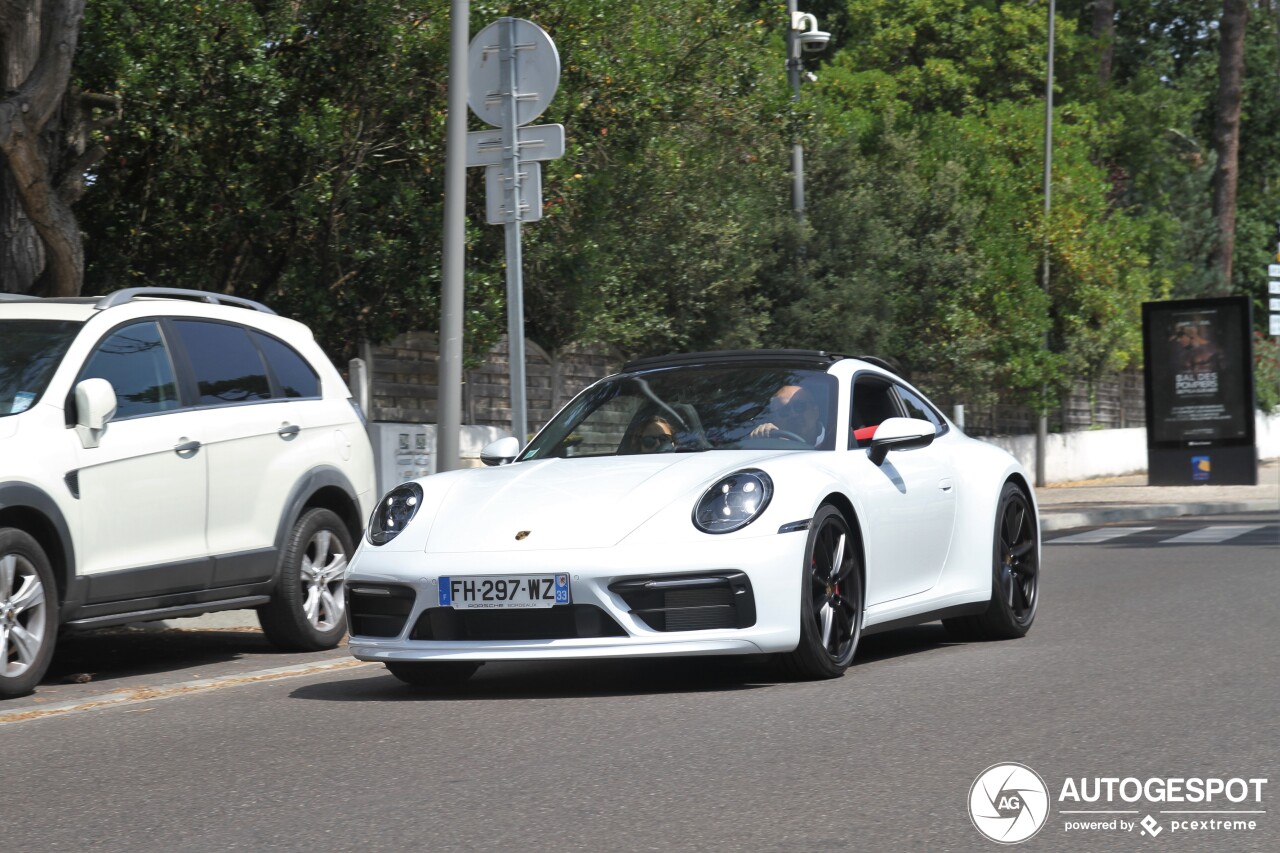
x: 288, y: 431
x: 945, y: 484
x: 186, y: 449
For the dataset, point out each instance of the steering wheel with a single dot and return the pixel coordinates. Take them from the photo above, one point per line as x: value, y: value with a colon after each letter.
x: 788, y: 435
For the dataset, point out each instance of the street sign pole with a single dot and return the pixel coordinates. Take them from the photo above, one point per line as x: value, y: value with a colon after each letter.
x: 515, y: 263
x: 515, y: 70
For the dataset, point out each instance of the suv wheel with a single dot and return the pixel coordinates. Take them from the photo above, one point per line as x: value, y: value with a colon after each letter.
x: 307, y: 613
x: 28, y: 603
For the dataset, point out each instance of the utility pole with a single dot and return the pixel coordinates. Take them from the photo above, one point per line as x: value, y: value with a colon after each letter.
x: 449, y: 373
x: 1042, y: 424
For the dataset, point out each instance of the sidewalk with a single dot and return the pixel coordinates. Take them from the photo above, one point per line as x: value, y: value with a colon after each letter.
x: 1113, y: 499
x: 1062, y: 506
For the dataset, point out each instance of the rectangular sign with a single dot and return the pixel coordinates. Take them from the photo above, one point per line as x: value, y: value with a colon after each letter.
x: 1275, y: 324
x: 1273, y: 270
x: 1274, y: 285
x: 1199, y: 372
x: 539, y: 142
x: 496, y: 181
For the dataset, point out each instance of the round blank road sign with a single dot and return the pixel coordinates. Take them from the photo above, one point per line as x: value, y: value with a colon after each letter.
x: 537, y: 72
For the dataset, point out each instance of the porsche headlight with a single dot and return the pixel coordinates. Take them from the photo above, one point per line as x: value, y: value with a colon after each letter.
x: 396, y: 509
x: 733, y: 502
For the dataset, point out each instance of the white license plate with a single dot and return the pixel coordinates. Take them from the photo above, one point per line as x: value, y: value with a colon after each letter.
x: 494, y: 592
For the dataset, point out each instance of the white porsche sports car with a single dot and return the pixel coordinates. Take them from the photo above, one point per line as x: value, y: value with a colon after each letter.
x: 781, y: 501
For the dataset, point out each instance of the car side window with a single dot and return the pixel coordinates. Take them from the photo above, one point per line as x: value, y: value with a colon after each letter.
x: 873, y: 403
x: 135, y: 360
x: 294, y: 376
x: 917, y: 408
x: 227, y: 366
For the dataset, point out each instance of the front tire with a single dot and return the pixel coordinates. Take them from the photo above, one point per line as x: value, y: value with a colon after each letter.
x: 28, y: 613
x: 437, y: 674
x: 1015, y: 581
x: 830, y: 600
x: 308, y: 611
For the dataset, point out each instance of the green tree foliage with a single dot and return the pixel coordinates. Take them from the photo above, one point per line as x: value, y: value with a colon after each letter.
x: 290, y: 152
x: 929, y: 231
x: 293, y: 151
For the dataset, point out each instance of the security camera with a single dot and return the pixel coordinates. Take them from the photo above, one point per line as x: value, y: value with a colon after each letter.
x: 811, y: 38
x: 814, y: 41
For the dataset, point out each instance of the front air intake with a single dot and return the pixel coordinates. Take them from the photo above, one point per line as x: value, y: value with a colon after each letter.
x: 690, y: 602
x: 378, y: 610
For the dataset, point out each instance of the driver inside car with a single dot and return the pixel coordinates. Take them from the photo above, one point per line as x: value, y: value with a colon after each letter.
x: 794, y: 410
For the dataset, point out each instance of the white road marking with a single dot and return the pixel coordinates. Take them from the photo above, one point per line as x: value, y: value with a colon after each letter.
x: 133, y: 696
x: 1102, y: 534
x: 1212, y: 535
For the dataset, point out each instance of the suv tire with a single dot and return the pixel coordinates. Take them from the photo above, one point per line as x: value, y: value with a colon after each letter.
x: 307, y: 612
x: 28, y: 613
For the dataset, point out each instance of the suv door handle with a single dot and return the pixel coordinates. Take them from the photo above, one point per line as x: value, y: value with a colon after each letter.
x: 288, y: 431
x: 186, y: 449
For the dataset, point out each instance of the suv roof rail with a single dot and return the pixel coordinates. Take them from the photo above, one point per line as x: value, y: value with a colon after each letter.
x: 120, y: 297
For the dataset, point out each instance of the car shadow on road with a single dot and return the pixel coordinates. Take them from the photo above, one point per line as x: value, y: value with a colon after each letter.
x: 559, y: 680
x: 619, y: 677
x: 112, y: 655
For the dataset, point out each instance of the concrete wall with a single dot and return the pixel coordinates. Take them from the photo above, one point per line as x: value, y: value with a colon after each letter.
x: 1088, y: 454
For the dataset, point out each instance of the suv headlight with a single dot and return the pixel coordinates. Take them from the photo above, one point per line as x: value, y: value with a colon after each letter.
x: 394, y: 512
x: 733, y: 502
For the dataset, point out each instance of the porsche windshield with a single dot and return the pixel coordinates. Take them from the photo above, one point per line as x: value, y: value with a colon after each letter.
x: 30, y: 351
x: 689, y: 409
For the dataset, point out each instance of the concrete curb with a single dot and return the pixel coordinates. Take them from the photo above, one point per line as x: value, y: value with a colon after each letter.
x: 1066, y: 519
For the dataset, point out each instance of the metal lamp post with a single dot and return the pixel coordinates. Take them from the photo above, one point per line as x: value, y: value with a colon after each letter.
x: 803, y: 36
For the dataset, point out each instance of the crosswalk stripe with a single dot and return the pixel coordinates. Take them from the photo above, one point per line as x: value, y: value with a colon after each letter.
x: 1212, y: 535
x: 1102, y: 534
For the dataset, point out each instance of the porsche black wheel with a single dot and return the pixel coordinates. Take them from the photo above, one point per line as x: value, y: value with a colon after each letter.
x: 1015, y: 581
x: 830, y: 600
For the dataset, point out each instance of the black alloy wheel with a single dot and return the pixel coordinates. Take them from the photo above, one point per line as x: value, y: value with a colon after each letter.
x: 830, y: 600
x: 1015, y: 583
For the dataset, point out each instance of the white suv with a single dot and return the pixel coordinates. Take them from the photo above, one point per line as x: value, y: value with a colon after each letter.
x: 166, y: 453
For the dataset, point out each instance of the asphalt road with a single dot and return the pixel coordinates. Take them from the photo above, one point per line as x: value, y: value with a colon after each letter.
x: 1150, y: 659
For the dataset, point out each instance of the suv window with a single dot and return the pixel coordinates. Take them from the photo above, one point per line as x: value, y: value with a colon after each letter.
x: 30, y: 350
x: 294, y: 375
x: 135, y: 360
x: 227, y: 366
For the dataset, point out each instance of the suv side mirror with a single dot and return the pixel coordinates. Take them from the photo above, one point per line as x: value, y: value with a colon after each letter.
x: 901, y: 434
x: 95, y: 406
x: 500, y: 452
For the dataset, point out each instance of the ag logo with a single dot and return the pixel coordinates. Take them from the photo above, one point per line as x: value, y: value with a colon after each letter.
x: 1008, y: 803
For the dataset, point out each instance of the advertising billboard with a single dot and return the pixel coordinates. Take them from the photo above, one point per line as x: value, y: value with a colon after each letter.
x: 1199, y: 391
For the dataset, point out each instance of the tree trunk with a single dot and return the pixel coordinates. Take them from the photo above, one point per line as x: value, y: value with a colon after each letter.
x: 42, y: 252
x: 1226, y: 135
x: 1104, y: 32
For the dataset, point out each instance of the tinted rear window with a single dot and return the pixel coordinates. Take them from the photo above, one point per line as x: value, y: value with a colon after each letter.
x: 227, y: 366
x: 295, y: 376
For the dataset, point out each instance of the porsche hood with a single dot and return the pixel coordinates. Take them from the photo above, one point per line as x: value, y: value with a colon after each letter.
x: 569, y: 503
